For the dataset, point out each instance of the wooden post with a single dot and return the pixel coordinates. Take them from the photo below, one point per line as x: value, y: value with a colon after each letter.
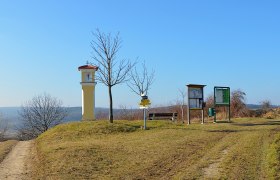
x: 202, y: 122
x: 189, y: 115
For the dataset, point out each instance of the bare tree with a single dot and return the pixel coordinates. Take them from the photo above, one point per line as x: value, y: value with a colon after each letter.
x: 3, y: 128
x: 181, y: 101
x: 266, y: 105
x: 209, y: 101
x: 39, y: 114
x: 238, y: 106
x: 141, y: 80
x: 125, y: 113
x: 112, y: 71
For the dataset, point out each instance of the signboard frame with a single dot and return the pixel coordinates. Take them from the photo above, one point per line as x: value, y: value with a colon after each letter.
x: 195, y: 96
x: 195, y: 99
x: 222, y: 96
x: 144, y: 104
x: 222, y: 99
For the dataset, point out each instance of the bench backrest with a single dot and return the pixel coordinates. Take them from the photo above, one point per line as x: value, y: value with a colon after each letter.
x: 163, y: 114
x: 171, y: 116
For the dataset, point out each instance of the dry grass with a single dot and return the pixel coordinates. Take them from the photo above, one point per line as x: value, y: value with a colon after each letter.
x: 98, y: 150
x: 273, y: 156
x: 6, y: 147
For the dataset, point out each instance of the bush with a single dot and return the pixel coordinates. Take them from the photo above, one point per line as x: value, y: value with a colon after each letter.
x: 269, y: 115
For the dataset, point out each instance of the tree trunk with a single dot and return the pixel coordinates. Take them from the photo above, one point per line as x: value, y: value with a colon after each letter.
x: 182, y: 113
x: 111, y: 105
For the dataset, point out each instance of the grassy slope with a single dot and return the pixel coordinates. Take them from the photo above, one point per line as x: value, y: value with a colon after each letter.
x: 91, y: 150
x: 273, y: 157
x: 6, y: 147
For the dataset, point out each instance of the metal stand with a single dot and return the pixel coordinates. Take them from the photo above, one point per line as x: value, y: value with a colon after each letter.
x: 144, y: 119
x: 189, y: 116
x: 229, y: 113
x: 215, y: 118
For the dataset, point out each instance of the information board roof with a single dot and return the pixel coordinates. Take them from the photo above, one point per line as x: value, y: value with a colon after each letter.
x: 196, y: 85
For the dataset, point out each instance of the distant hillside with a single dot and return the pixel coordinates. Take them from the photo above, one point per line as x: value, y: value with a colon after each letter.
x: 75, y: 113
x: 11, y: 115
x: 255, y: 106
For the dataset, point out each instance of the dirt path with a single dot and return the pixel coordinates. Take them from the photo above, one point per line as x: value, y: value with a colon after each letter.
x: 213, y: 170
x: 15, y: 165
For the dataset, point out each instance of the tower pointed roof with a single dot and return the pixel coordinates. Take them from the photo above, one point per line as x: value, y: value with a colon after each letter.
x: 88, y: 66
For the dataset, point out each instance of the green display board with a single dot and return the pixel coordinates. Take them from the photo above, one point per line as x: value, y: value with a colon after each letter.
x: 222, y: 96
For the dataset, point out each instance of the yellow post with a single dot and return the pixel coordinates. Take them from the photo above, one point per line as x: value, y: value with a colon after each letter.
x: 88, y: 91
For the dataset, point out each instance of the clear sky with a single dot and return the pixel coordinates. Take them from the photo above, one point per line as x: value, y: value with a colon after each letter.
x: 216, y: 43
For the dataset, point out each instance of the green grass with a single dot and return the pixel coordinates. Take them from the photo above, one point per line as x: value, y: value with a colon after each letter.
x: 245, y: 149
x: 273, y: 157
x: 6, y: 147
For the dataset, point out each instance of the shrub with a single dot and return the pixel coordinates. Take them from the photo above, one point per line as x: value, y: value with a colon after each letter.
x: 270, y: 115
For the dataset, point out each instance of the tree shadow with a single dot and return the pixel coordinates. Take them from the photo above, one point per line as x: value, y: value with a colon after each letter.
x: 268, y: 123
x: 224, y: 131
x: 223, y: 121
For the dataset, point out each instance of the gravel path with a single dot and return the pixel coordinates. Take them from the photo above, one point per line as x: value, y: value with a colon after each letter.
x: 15, y: 165
x: 213, y: 171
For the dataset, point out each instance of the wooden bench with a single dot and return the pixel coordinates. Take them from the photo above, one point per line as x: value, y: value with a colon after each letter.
x: 170, y: 116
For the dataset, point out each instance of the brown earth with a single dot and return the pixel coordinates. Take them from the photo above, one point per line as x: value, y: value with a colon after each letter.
x: 17, y: 164
x: 213, y: 170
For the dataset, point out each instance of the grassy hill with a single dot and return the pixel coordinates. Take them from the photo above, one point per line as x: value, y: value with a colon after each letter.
x: 243, y: 149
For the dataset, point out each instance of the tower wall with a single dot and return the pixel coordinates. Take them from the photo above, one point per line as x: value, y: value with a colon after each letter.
x: 88, y: 91
x: 88, y: 102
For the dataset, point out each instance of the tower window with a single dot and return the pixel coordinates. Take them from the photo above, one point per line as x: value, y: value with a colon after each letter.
x: 89, y: 77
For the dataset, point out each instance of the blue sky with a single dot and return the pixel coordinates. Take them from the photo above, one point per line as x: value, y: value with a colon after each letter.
x: 217, y: 43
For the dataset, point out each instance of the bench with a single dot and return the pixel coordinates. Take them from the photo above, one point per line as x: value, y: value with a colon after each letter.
x: 170, y: 116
